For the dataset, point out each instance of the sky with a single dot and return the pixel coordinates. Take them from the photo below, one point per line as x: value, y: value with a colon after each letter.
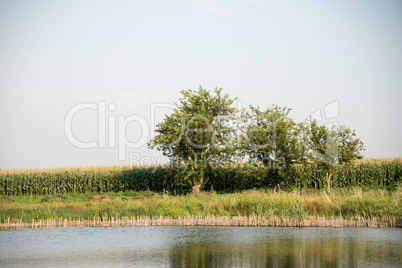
x: 83, y: 83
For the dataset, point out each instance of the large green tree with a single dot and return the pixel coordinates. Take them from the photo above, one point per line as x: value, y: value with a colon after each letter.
x: 198, y: 132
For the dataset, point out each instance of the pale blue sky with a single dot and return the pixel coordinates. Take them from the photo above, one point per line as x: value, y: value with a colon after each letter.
x: 300, y: 54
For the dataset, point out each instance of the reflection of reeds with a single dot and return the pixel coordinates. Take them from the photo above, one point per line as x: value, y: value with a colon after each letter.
x: 233, y: 221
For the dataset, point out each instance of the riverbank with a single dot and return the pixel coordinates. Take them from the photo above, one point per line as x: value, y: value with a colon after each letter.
x: 345, y: 207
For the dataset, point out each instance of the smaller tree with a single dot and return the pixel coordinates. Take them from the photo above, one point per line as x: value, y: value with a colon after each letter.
x: 330, y: 146
x: 321, y: 143
x: 349, y: 146
x: 270, y: 137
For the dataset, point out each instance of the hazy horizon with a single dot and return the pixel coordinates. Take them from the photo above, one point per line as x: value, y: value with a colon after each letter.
x: 129, y: 60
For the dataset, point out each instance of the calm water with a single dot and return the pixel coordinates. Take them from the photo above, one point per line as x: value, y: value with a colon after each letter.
x: 201, y: 247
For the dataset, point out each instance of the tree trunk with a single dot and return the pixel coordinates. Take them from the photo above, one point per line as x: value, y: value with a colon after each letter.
x: 197, y: 185
x: 328, y: 178
x: 196, y: 188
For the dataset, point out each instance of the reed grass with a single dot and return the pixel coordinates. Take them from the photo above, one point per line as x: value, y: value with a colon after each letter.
x: 235, y: 221
x: 348, y: 204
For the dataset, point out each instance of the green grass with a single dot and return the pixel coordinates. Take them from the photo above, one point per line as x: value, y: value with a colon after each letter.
x: 346, y: 202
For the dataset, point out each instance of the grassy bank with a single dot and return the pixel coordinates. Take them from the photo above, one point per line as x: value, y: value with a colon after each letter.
x: 346, y: 203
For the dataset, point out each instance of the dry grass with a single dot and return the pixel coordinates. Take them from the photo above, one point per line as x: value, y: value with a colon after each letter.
x: 378, y: 160
x: 238, y: 221
x: 100, y: 198
x: 126, y: 167
x: 78, y: 169
x: 69, y: 169
x: 5, y: 200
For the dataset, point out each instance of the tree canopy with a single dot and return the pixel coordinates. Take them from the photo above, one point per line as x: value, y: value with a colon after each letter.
x: 270, y: 136
x: 205, y: 128
x: 198, y: 131
x: 331, y: 145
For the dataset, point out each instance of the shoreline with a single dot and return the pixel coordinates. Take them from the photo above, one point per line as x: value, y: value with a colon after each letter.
x: 229, y: 221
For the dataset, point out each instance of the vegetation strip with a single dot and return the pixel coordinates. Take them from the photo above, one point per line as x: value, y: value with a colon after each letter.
x: 231, y: 177
x: 343, y: 207
x: 208, y: 221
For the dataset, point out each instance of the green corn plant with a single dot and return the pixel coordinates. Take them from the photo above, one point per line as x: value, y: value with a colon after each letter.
x: 230, y: 177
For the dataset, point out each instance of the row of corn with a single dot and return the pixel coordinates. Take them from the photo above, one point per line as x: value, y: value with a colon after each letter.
x: 233, y: 177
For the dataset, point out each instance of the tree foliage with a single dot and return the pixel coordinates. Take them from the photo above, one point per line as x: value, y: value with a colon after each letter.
x: 270, y: 137
x: 205, y: 128
x: 331, y: 145
x: 349, y: 146
x: 198, y: 131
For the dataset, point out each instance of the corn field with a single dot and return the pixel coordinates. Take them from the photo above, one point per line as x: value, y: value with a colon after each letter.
x: 158, y: 178
x: 360, y: 174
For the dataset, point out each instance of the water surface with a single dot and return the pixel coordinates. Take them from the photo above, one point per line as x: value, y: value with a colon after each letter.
x: 201, y: 247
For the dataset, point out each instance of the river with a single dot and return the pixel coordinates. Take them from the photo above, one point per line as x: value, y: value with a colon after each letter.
x: 201, y: 247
